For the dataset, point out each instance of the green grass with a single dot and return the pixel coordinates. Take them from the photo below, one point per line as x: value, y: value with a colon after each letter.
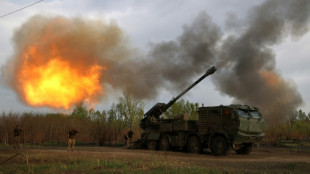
x: 97, y: 160
x: 104, y: 166
x: 126, y: 166
x: 42, y: 161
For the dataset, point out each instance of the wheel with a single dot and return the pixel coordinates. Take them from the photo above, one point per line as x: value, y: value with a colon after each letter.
x: 164, y: 143
x: 194, y: 145
x: 245, y: 149
x: 219, y: 146
x: 152, y: 145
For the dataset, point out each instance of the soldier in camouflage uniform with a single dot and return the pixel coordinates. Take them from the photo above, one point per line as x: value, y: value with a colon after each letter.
x: 17, y: 133
x: 71, y: 139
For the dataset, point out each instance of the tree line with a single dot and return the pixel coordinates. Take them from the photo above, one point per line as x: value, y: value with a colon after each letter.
x: 100, y: 127
x: 297, y: 127
x: 110, y: 126
x: 94, y: 126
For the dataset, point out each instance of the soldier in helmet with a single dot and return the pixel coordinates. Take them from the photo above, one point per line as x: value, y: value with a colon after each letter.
x: 17, y: 133
x: 71, y: 139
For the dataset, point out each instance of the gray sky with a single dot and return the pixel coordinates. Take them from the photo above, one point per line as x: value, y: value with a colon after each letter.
x: 146, y: 22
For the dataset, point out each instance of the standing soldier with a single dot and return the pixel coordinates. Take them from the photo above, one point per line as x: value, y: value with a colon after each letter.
x: 129, y: 138
x: 17, y: 132
x: 71, y: 139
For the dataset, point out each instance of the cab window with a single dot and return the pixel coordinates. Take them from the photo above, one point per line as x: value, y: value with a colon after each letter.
x: 243, y: 113
x: 255, y: 114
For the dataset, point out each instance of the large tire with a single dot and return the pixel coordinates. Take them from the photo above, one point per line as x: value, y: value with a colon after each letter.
x: 219, y: 146
x: 164, y: 143
x: 245, y: 149
x: 194, y: 145
x: 152, y: 145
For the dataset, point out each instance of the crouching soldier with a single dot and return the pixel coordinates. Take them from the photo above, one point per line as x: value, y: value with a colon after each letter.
x: 17, y: 133
x: 71, y: 139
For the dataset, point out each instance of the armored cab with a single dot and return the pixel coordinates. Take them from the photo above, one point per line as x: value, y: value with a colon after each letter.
x: 235, y: 126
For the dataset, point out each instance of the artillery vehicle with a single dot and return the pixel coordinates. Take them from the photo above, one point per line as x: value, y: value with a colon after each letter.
x: 219, y: 128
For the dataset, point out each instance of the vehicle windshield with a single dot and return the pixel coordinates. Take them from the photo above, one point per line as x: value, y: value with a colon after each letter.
x: 243, y: 113
x: 255, y: 114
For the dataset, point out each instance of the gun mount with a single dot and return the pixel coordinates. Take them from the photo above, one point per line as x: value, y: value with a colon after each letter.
x: 151, y: 117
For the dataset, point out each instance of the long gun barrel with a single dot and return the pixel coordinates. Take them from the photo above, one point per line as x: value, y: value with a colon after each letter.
x: 160, y: 108
x: 209, y: 72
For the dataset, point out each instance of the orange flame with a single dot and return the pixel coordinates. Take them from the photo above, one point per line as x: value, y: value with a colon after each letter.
x: 56, y: 83
x: 60, y: 61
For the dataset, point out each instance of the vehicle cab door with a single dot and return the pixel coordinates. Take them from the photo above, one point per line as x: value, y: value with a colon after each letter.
x: 230, y: 122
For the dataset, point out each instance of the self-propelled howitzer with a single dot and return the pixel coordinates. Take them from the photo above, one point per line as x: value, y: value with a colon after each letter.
x: 218, y: 128
x: 150, y: 120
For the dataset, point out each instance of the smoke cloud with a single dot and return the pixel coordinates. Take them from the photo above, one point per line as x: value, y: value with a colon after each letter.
x: 245, y: 60
x: 59, y: 61
x: 168, y: 64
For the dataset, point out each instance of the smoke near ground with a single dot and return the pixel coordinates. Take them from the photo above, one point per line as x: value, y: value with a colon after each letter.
x: 245, y: 60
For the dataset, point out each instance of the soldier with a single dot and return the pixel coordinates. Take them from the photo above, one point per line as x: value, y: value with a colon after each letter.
x: 71, y: 139
x: 17, y: 132
x: 129, y: 138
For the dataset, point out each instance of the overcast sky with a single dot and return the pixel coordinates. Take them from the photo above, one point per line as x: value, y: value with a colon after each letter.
x: 152, y: 21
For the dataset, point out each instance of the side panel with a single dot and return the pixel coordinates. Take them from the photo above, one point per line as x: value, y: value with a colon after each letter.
x: 210, y: 120
x: 165, y: 126
x: 253, y: 125
x: 244, y: 125
x: 153, y: 136
x: 175, y: 125
x: 230, y: 122
x: 184, y: 125
x: 178, y: 140
x: 256, y: 125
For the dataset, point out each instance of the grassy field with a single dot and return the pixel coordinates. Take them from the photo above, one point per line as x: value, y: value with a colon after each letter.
x: 46, y: 161
x: 120, y: 160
